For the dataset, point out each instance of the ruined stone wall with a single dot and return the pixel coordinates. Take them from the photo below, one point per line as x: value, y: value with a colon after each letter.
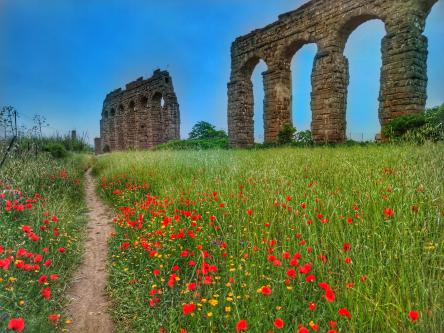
x: 142, y: 116
x: 328, y: 24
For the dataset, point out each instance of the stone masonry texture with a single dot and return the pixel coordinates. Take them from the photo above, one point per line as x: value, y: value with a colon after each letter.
x: 328, y: 24
x: 142, y: 116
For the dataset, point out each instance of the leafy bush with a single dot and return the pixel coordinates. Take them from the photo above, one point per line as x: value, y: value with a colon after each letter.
x: 203, y: 131
x: 399, y: 126
x: 304, y: 138
x: 57, y: 150
x: 286, y: 135
x: 195, y: 144
x: 418, y: 128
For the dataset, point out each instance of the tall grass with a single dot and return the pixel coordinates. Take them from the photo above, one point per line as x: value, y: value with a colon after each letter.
x: 387, y: 202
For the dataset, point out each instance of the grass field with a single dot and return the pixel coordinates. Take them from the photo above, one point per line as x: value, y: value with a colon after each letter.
x: 41, y: 226
x: 292, y: 240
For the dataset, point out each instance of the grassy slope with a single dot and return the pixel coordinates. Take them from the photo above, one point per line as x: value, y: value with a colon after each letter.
x: 400, y: 256
x: 61, y: 196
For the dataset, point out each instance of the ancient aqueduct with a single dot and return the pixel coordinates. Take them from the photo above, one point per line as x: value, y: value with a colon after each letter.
x: 135, y: 117
x: 328, y: 24
x: 142, y: 116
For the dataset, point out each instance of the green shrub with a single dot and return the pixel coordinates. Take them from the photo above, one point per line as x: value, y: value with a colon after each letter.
x: 401, y: 125
x: 57, y: 150
x: 304, y: 138
x: 418, y: 128
x: 286, y: 135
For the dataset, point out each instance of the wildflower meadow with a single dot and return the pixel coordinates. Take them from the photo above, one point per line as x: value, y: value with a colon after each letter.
x: 345, y: 239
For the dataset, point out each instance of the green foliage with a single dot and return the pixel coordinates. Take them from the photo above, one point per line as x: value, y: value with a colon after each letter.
x: 418, y: 128
x: 286, y: 135
x: 57, y: 150
x: 304, y: 138
x: 399, y: 126
x: 205, y: 144
x: 205, y: 131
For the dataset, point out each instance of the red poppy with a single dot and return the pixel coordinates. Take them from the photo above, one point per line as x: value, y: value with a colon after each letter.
x: 16, y: 324
x: 46, y: 293
x: 303, y: 329
x: 312, y: 306
x: 413, y: 315
x: 279, y: 323
x: 388, y: 212
x: 329, y: 295
x: 54, y: 317
x: 265, y: 290
x: 346, y: 247
x: 344, y: 312
x: 188, y: 308
x: 291, y: 273
x: 241, y: 326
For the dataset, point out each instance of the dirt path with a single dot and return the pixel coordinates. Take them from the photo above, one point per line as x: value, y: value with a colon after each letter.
x: 88, y: 302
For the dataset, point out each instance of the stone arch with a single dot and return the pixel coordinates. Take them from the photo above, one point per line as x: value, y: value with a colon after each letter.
x: 352, y: 22
x: 248, y: 66
x: 361, y: 120
x: 241, y: 97
x: 287, y: 53
x: 403, y: 73
x: 105, y: 114
x: 113, y: 112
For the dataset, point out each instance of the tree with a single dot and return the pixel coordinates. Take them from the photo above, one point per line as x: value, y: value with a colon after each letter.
x: 287, y: 134
x: 204, y: 131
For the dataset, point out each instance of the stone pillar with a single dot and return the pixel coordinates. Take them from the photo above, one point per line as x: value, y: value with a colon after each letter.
x: 404, y: 71
x: 156, y: 120
x: 329, y: 97
x: 98, y: 145
x: 277, y: 102
x: 120, y: 129
x: 132, y: 127
x: 112, y: 133
x: 171, y: 118
x: 240, y: 112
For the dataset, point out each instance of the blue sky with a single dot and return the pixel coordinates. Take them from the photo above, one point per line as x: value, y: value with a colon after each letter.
x: 60, y: 58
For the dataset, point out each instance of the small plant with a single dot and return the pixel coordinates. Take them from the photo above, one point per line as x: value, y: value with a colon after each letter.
x: 304, y: 138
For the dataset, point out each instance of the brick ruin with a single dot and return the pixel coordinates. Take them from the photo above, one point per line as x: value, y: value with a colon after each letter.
x: 142, y: 116
x: 328, y: 24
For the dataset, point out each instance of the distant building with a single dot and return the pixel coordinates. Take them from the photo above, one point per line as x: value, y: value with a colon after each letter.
x: 142, y: 116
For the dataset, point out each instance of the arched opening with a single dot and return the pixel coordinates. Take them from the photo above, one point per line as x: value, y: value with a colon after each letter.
x: 105, y: 114
x: 362, y: 37
x: 435, y: 70
x: 113, y: 112
x: 144, y: 101
x: 301, y: 69
x: 132, y: 106
x: 258, y: 100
